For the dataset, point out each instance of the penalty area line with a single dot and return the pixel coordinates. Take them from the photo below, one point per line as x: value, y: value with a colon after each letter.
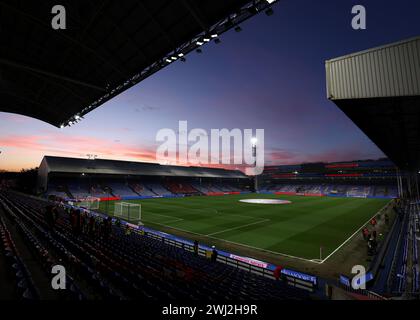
x: 238, y: 227
x: 239, y: 244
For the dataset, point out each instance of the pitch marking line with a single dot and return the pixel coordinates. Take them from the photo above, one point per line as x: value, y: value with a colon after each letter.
x: 238, y: 227
x: 237, y: 243
x: 358, y: 230
x: 165, y: 222
x: 228, y: 217
x: 174, y: 219
x: 317, y: 261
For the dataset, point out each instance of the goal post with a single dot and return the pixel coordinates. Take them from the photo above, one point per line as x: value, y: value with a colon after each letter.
x: 357, y: 194
x: 128, y: 211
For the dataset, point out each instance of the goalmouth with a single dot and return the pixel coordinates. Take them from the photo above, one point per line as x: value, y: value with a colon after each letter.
x: 128, y: 211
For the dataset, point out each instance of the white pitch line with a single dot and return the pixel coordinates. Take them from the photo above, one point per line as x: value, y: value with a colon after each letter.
x: 165, y: 222
x: 239, y: 244
x: 316, y: 261
x: 163, y: 215
x: 174, y: 219
x: 358, y: 230
x: 228, y: 217
x: 238, y: 227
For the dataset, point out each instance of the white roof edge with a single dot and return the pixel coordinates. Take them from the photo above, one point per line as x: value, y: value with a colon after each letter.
x: 390, y: 45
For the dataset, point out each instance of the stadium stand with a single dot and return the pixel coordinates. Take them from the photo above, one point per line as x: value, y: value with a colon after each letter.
x: 142, y: 190
x: 396, y: 270
x: 17, y: 270
x: 58, y: 191
x: 332, y: 189
x: 81, y: 178
x: 355, y: 179
x: 121, y: 189
x: 157, y: 189
x: 181, y: 187
x: 123, y: 265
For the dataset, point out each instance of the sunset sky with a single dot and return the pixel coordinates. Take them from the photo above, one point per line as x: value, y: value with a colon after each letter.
x: 269, y: 76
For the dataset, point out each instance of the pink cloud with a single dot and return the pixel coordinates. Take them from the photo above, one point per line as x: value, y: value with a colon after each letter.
x: 65, y: 145
x: 279, y: 157
x: 15, y: 118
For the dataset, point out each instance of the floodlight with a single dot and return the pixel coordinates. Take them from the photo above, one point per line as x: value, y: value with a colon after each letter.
x: 214, y: 35
x: 168, y: 60
x: 254, y: 141
x: 180, y: 54
x: 269, y: 12
x: 199, y: 43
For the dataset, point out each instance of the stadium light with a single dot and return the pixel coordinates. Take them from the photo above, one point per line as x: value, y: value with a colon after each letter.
x: 254, y: 141
x: 174, y: 58
x: 180, y: 55
x: 214, y: 35
x: 270, y: 1
x: 206, y: 39
x: 199, y: 43
x: 168, y: 60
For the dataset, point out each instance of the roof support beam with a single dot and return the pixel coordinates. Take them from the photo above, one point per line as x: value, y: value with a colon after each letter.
x: 49, y: 74
x: 159, y: 26
x: 33, y: 19
x: 195, y: 15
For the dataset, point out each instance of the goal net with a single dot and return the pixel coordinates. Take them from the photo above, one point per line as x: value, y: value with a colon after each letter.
x: 91, y: 203
x: 128, y: 211
x: 358, y: 193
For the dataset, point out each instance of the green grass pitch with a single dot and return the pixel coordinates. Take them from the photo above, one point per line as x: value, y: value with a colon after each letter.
x: 297, y: 229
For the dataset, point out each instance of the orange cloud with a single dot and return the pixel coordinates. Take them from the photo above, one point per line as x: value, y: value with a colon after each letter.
x: 30, y: 149
x: 24, y: 151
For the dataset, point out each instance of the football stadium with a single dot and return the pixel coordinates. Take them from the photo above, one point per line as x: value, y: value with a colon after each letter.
x: 210, y: 203
x: 105, y: 221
